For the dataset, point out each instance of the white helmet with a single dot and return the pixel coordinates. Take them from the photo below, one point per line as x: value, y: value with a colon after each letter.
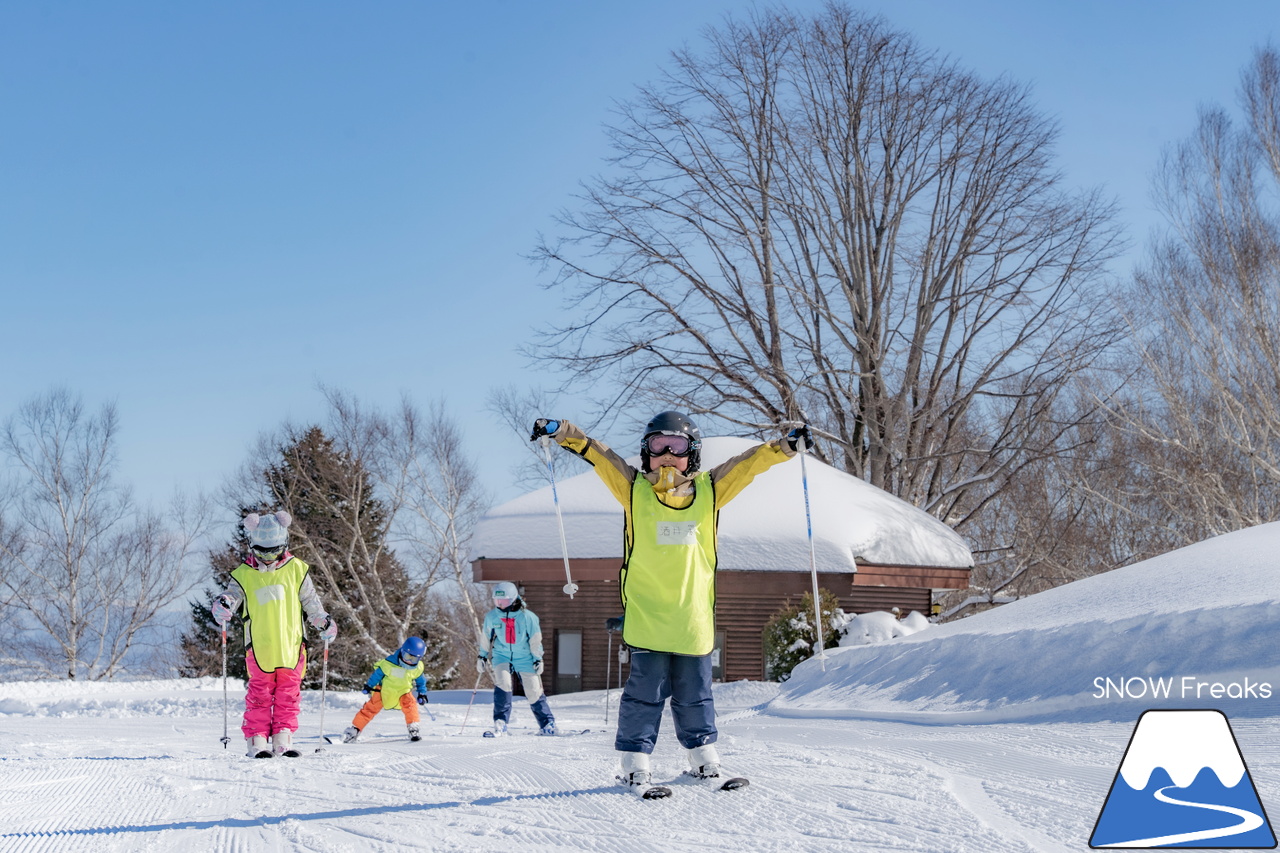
x: 505, y: 594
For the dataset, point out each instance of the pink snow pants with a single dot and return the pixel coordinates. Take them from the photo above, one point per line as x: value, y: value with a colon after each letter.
x: 273, y: 699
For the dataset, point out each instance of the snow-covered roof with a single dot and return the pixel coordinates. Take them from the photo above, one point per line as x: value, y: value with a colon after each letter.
x: 762, y: 529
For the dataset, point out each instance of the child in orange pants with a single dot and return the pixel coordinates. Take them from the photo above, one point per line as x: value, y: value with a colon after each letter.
x: 397, y: 679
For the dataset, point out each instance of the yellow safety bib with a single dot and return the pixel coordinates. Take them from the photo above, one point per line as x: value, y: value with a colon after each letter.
x: 272, y: 613
x: 668, y: 576
x: 397, y: 680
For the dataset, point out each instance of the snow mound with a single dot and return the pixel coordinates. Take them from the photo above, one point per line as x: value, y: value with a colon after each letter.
x: 881, y: 627
x: 1161, y: 633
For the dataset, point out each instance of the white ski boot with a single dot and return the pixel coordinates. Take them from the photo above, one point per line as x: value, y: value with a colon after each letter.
x: 282, y: 744
x: 636, y: 776
x: 414, y: 733
x: 258, y: 747
x: 704, y: 765
x: 499, y: 729
x: 351, y: 735
x: 548, y: 729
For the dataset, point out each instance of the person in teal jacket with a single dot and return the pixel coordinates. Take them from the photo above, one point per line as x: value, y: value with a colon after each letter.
x: 396, y: 680
x: 511, y: 643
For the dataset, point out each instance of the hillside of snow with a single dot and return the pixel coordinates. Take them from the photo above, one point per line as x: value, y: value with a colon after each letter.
x: 1164, y: 631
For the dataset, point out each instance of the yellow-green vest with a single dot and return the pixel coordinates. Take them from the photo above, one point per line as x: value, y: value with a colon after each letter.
x: 272, y: 613
x: 668, y: 576
x: 397, y: 680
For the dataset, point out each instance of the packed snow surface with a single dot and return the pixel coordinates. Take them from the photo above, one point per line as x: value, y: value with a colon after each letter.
x: 981, y: 735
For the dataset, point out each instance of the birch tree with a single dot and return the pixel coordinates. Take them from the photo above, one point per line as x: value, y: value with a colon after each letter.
x: 1204, y: 405
x: 85, y: 573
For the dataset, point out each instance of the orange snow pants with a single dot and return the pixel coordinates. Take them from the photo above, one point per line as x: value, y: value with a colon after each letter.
x: 371, y: 708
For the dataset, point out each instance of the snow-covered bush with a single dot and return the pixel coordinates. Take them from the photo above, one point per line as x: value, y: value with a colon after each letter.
x: 789, y: 635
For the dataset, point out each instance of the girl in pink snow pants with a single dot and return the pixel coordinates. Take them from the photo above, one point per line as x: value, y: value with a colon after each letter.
x: 270, y: 590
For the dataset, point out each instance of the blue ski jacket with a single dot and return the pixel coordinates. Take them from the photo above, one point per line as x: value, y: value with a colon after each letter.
x: 512, y: 638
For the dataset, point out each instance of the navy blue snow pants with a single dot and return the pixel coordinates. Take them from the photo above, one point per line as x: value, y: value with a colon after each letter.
x: 655, y: 677
x: 502, y: 691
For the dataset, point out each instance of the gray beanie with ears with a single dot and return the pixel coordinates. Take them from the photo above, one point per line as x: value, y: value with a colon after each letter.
x: 268, y: 531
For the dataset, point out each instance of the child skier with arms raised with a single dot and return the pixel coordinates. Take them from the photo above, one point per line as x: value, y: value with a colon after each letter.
x: 271, y: 589
x: 397, y: 679
x: 668, y: 582
x: 511, y: 644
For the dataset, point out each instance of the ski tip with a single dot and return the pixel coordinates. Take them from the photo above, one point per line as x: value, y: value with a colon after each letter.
x: 657, y: 792
x: 735, y: 783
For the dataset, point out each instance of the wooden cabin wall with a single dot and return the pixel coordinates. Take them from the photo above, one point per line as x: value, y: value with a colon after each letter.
x: 745, y: 601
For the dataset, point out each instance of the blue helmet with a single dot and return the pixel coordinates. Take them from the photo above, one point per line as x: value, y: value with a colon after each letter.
x: 412, y: 650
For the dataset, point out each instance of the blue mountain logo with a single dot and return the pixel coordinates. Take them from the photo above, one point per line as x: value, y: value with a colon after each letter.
x: 1183, y: 783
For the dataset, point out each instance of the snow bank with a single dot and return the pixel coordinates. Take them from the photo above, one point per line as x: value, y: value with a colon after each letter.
x: 1161, y: 633
x: 880, y: 627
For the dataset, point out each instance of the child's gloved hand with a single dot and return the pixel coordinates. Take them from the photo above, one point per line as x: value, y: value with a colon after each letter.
x: 613, y: 623
x: 543, y: 426
x: 800, y: 433
x: 482, y: 664
x: 328, y: 629
x: 221, y: 610
x: 366, y: 690
x: 422, y: 698
x: 537, y: 667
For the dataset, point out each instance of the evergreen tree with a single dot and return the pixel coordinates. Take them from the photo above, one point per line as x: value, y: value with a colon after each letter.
x: 340, y: 529
x: 201, y: 645
x: 788, y: 636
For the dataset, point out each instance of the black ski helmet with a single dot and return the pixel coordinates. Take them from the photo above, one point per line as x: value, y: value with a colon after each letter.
x: 673, y: 423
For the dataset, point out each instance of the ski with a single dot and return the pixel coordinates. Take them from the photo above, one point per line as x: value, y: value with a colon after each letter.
x: 715, y: 782
x: 644, y: 791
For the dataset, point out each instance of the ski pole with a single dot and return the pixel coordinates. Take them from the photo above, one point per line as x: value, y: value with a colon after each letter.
x: 813, y: 561
x: 324, y: 685
x: 608, y: 672
x: 226, y: 738
x: 570, y: 587
x: 472, y: 702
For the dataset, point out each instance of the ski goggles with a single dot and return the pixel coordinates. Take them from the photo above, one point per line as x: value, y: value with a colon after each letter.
x: 660, y: 443
x: 412, y: 660
x: 271, y: 551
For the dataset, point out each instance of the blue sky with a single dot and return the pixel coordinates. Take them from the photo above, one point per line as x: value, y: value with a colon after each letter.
x: 207, y: 209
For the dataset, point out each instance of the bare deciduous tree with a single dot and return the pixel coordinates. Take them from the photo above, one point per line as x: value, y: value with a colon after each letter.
x: 1204, y: 407
x: 816, y: 220
x: 84, y: 571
